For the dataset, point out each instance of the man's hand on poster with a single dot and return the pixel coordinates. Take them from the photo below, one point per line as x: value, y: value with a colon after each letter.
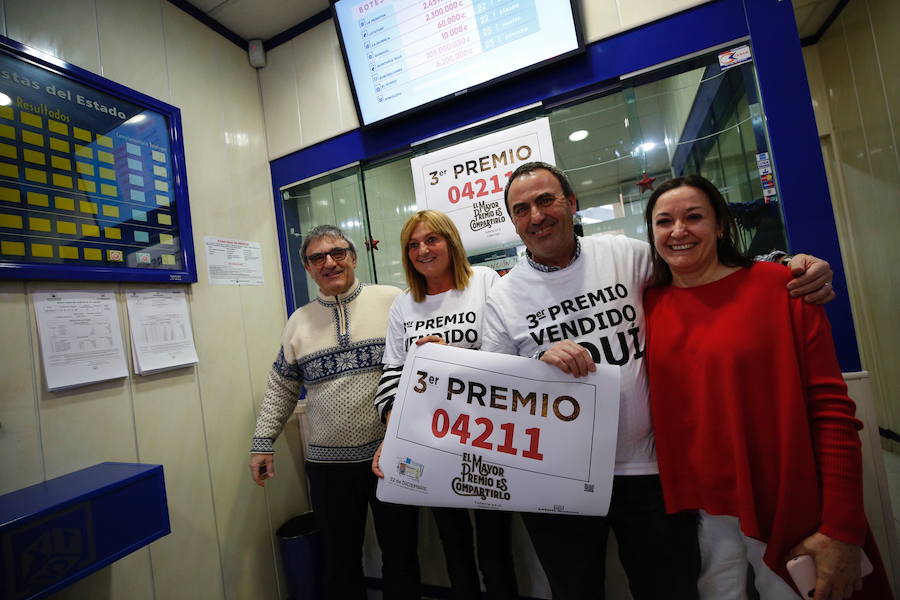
x: 570, y: 358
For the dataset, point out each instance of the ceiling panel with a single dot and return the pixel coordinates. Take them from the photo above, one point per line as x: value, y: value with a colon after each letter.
x: 260, y: 19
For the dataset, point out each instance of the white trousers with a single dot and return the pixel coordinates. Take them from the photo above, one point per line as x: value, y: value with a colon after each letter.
x: 724, y: 553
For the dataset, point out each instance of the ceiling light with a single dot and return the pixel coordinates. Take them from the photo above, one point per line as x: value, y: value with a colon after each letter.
x: 647, y: 146
x: 577, y: 136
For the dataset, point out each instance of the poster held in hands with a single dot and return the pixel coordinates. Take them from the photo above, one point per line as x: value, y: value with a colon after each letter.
x: 481, y: 430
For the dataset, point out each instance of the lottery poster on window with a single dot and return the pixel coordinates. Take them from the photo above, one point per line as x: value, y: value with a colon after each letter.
x: 466, y: 181
x: 480, y: 430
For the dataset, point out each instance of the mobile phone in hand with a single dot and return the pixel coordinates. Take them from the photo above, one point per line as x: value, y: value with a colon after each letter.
x: 802, y: 570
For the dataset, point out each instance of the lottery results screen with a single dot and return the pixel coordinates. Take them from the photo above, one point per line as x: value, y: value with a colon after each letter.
x: 405, y: 54
x: 92, y: 180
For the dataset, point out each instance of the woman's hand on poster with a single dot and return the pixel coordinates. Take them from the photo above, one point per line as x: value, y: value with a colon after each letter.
x: 434, y: 339
x: 376, y: 468
x: 838, y: 572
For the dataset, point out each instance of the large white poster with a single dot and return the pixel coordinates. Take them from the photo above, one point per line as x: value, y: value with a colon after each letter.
x: 466, y: 181
x: 481, y: 430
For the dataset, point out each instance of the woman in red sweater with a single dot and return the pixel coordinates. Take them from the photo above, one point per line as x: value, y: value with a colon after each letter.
x: 754, y: 428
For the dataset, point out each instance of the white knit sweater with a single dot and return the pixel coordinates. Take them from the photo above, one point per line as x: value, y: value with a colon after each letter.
x: 333, y: 346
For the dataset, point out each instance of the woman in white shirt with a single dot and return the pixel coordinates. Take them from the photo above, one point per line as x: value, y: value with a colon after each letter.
x: 445, y: 304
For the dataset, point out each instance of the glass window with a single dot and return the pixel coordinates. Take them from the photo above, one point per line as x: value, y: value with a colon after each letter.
x: 334, y: 199
x: 615, y: 147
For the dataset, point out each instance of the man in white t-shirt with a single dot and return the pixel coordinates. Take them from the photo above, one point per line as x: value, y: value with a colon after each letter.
x: 573, y: 302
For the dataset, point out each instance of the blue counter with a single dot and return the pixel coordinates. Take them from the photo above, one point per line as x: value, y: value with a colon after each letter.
x: 57, y: 532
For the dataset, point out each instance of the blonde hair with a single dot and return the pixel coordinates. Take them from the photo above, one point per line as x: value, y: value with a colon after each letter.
x: 441, y: 224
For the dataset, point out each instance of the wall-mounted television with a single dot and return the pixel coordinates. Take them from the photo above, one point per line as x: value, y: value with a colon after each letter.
x: 403, y: 55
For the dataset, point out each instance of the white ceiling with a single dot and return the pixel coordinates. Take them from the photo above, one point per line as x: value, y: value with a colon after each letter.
x: 260, y: 19
x: 263, y: 19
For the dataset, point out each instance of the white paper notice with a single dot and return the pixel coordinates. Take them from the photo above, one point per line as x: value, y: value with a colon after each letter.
x: 481, y: 430
x: 161, y: 334
x: 81, y: 340
x: 233, y: 262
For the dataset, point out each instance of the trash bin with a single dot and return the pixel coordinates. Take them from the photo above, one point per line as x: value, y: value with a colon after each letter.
x: 300, y: 542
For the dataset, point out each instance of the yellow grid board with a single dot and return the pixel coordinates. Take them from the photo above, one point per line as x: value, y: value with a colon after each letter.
x: 57, y: 127
x: 10, y: 194
x: 63, y: 181
x: 10, y: 221
x: 42, y: 250
x: 38, y: 199
x: 37, y: 224
x: 12, y: 248
x: 66, y: 227
x: 30, y: 119
x: 63, y: 203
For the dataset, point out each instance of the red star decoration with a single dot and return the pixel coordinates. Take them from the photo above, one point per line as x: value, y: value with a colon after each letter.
x: 372, y: 244
x: 646, y: 183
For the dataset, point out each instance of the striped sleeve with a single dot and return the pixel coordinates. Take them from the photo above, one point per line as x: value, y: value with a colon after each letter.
x: 773, y: 256
x: 387, y: 389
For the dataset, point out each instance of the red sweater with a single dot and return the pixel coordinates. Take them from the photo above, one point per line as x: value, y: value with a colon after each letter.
x: 751, y: 412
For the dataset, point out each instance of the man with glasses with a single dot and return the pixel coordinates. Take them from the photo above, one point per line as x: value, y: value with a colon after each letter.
x: 594, y: 286
x: 333, y: 346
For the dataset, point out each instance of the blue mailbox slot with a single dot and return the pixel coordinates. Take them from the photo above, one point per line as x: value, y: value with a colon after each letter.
x: 57, y: 532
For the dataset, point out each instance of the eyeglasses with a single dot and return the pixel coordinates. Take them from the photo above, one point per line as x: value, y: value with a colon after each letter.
x: 318, y: 259
x: 522, y: 209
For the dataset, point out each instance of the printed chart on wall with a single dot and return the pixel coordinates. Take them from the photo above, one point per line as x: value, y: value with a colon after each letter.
x: 466, y: 181
x: 86, y: 179
x: 481, y: 430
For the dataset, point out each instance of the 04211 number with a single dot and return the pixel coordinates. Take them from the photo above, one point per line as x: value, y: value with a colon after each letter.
x: 455, y: 193
x: 441, y: 427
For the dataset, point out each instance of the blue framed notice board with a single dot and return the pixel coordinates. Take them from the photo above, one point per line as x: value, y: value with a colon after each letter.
x: 92, y: 176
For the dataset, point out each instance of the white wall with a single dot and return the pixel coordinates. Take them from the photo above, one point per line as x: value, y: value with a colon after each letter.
x: 855, y: 85
x: 196, y: 422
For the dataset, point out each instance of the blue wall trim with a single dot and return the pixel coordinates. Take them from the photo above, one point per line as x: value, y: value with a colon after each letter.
x: 799, y: 168
x: 803, y: 189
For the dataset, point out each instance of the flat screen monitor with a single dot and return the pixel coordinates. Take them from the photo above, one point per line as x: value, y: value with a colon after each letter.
x: 406, y: 54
